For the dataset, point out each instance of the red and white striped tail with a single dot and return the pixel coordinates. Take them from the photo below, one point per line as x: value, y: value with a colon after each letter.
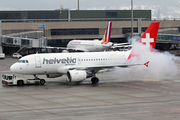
x: 107, y: 34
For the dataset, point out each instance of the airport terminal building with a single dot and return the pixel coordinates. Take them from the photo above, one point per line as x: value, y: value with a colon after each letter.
x: 61, y: 26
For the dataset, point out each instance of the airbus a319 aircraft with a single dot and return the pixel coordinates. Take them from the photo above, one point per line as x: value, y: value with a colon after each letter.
x: 92, y: 45
x: 79, y: 66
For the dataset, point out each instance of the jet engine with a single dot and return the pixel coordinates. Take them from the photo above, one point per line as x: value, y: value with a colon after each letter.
x: 76, y: 75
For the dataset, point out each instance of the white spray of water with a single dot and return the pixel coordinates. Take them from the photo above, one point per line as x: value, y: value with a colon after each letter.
x: 133, y: 40
x: 161, y: 66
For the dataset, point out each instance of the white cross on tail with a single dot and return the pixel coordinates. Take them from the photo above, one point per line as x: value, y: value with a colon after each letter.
x: 147, y: 40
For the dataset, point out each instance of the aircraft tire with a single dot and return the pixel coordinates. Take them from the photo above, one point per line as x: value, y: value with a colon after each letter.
x: 42, y: 82
x: 94, y: 80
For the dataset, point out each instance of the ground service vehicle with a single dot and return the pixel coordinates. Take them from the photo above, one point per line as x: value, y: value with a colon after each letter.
x: 2, y: 55
x: 10, y: 79
x: 17, y: 55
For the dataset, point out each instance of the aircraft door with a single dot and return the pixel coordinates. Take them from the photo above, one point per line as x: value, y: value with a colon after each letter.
x: 79, y: 60
x: 37, y: 62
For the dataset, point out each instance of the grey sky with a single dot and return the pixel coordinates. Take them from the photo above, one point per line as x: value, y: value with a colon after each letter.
x: 160, y: 8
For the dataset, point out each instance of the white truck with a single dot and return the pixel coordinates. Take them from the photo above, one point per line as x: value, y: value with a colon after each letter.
x: 10, y: 79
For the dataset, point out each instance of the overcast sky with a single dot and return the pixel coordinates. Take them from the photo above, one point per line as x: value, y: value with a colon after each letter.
x: 160, y: 8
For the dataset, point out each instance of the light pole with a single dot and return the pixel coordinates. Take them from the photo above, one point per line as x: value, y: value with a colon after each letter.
x: 78, y: 4
x: 131, y: 18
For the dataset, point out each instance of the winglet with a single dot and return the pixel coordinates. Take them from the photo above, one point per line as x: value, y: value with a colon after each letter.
x: 146, y: 64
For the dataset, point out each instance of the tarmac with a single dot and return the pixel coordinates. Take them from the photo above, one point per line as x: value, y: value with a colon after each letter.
x: 117, y: 96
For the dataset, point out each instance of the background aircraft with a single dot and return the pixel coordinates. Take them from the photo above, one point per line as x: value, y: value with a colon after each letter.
x: 92, y: 45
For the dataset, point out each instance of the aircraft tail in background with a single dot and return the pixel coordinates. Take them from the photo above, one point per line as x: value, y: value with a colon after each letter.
x: 107, y: 34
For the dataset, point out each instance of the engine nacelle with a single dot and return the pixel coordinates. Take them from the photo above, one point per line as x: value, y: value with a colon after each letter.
x: 53, y: 75
x: 76, y: 75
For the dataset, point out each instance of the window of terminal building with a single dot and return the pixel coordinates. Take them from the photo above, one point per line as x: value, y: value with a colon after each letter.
x: 10, y: 15
x: 111, y: 14
x: 144, y: 29
x: 135, y: 30
x: 128, y: 30
x: 179, y: 29
x: 87, y: 31
x: 43, y: 15
x: 58, y: 42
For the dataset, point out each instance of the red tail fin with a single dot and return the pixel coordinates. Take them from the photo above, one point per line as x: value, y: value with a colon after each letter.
x: 150, y: 35
x: 148, y: 38
x: 107, y: 34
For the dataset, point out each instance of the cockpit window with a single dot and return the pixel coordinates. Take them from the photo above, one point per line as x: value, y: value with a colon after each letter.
x: 23, y: 61
x: 19, y: 61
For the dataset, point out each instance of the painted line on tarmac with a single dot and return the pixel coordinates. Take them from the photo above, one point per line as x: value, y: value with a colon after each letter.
x: 5, y: 71
x: 100, y: 115
x: 2, y: 67
x: 149, y: 80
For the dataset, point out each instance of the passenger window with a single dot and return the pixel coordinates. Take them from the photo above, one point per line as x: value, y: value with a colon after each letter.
x: 27, y: 61
x: 23, y: 61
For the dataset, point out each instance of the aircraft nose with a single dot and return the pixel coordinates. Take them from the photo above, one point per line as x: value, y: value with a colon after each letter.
x: 13, y: 68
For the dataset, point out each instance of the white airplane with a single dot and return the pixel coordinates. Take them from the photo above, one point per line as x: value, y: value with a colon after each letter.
x: 79, y: 66
x: 92, y: 45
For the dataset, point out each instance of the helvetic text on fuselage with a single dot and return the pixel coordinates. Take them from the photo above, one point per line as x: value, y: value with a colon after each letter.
x: 66, y: 61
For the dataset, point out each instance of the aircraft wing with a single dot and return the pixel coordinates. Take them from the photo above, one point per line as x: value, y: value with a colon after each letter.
x: 120, y: 44
x: 109, y: 66
x: 74, y: 49
x: 78, y: 50
x: 96, y: 67
x: 70, y: 49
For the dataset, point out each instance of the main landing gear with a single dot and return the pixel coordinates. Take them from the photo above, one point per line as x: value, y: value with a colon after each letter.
x: 94, y: 80
x: 41, y: 82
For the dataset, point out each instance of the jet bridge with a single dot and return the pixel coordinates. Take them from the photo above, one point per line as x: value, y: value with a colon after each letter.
x: 168, y: 41
x: 168, y: 38
x: 20, y: 41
